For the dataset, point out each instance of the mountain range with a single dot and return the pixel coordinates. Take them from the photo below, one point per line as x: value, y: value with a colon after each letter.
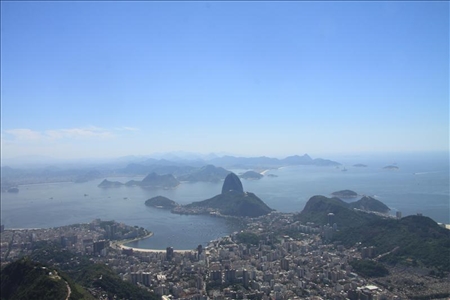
x: 184, y: 169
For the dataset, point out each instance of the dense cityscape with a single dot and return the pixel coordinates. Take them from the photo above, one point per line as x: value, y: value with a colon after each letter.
x: 258, y: 263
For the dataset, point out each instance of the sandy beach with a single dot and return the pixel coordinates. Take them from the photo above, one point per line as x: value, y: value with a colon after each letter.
x: 120, y: 245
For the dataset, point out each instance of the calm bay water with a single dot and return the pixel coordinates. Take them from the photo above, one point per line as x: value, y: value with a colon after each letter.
x: 420, y: 185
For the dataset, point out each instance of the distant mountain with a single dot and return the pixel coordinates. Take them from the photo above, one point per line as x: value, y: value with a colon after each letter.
x: 152, y: 180
x: 268, y: 162
x: 159, y: 181
x: 161, y: 168
x: 161, y: 202
x: 251, y: 175
x: 110, y: 184
x: 179, y: 166
x: 370, y: 204
x: 88, y: 176
x: 233, y: 201
x: 208, y: 173
x: 298, y: 160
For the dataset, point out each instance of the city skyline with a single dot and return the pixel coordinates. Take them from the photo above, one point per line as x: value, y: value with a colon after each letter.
x: 110, y: 79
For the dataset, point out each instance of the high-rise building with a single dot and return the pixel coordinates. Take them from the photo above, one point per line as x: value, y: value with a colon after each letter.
x: 331, y: 218
x: 245, y: 278
x: 169, y: 253
x: 285, y: 264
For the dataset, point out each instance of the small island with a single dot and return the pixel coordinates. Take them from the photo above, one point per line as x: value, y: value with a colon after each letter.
x: 345, y: 194
x: 391, y: 167
x: 360, y: 165
x: 251, y: 175
x: 161, y: 202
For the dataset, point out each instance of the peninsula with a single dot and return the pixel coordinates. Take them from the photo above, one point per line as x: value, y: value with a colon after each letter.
x: 233, y: 201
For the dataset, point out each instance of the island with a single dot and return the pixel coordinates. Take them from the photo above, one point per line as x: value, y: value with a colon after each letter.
x: 13, y: 190
x: 251, y: 175
x: 159, y: 181
x: 391, y: 167
x: 161, y: 202
x: 360, y: 165
x: 152, y: 180
x: 345, y: 194
x: 232, y: 202
x: 109, y: 184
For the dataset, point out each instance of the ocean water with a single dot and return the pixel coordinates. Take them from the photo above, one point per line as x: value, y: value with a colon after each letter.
x: 420, y: 185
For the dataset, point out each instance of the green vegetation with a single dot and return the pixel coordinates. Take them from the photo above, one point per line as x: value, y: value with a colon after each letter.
x: 369, y: 268
x: 413, y: 240
x: 25, y: 279
x: 160, y: 201
x: 417, y: 240
x: 235, y: 203
x: 248, y: 238
x: 102, y: 276
x: 251, y: 175
x: 87, y: 274
x: 370, y: 204
x: 318, y: 207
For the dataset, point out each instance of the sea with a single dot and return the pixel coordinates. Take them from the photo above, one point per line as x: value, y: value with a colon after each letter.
x: 419, y: 185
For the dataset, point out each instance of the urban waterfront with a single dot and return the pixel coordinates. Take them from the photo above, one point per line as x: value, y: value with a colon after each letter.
x: 420, y: 185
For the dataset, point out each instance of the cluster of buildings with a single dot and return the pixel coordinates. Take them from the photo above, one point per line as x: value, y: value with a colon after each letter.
x: 275, y: 267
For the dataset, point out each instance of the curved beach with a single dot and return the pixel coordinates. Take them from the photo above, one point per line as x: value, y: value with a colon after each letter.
x: 121, y: 245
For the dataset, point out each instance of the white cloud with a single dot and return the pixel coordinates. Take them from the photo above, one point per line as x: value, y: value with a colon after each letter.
x: 126, y: 128
x: 24, y: 134
x: 74, y: 133
x: 56, y: 134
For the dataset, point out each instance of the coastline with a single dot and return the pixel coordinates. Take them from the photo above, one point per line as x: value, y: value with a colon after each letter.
x: 120, y: 245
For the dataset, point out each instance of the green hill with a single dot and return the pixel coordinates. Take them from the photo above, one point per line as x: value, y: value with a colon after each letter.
x: 370, y: 204
x: 413, y: 240
x: 318, y: 207
x: 234, y: 203
x: 26, y: 279
x: 418, y: 239
x: 87, y: 274
x: 161, y: 201
x: 159, y: 181
x: 252, y: 175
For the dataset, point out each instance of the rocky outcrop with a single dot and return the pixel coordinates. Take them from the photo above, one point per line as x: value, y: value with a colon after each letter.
x: 232, y: 183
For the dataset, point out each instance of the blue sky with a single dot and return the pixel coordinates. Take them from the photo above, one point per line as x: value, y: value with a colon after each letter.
x: 106, y: 79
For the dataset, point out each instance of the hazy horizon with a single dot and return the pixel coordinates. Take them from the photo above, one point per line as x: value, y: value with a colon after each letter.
x: 109, y: 79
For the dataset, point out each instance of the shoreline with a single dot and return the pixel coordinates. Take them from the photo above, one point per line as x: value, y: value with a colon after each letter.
x: 121, y: 245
